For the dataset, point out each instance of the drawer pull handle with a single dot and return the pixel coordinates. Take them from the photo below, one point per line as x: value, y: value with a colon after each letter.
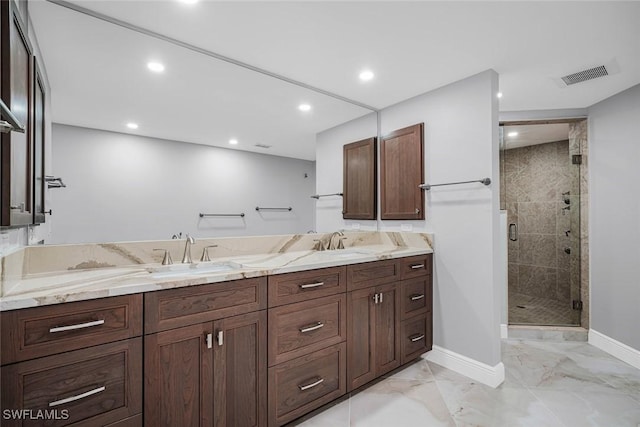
x: 417, y: 297
x: 312, y: 328
x: 311, y: 285
x: 418, y: 338
x: 417, y: 266
x: 220, y: 338
x: 77, y: 397
x: 313, y: 384
x: 209, y: 340
x: 78, y: 326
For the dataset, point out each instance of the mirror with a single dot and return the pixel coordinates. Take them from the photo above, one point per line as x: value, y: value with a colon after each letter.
x: 146, y: 183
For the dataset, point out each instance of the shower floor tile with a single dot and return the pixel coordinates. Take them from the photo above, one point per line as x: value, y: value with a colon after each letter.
x: 528, y: 310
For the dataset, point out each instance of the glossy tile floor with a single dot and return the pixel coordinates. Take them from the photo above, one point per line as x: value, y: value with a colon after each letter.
x: 547, y: 384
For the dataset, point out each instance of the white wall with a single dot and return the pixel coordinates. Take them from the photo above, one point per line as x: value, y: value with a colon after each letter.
x: 461, y: 143
x: 614, y: 215
x: 126, y: 187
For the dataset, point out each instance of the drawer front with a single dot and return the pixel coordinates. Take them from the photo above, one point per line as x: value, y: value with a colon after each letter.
x: 360, y: 276
x: 174, y: 308
x: 301, y: 328
x: 416, y: 335
x: 416, y: 296
x: 301, y: 286
x: 415, y: 266
x: 93, y: 386
x: 43, y: 331
x: 304, y: 384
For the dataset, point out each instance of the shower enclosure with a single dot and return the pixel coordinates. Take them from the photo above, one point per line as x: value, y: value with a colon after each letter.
x: 540, y: 190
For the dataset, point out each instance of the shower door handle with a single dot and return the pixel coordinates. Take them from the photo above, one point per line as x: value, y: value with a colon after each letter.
x: 513, y: 232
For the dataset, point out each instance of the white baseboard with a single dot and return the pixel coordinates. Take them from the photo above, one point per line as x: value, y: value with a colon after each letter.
x: 615, y: 348
x: 504, y: 331
x: 492, y: 376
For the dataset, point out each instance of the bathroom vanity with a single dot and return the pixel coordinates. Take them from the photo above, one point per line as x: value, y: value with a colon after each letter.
x: 263, y: 341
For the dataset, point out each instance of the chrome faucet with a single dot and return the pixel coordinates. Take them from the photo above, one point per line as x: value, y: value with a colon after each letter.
x: 186, y: 259
x: 332, y: 244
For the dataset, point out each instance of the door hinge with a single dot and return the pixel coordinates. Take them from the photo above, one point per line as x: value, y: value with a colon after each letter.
x: 576, y: 304
x: 576, y: 159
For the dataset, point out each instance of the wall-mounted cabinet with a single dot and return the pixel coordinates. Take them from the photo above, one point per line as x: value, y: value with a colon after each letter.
x: 401, y: 172
x: 359, y: 183
x: 16, y: 89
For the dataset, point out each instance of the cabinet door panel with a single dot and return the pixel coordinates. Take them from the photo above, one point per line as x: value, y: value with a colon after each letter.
x: 361, y: 339
x: 179, y: 378
x: 359, y: 180
x: 401, y: 172
x: 387, y: 322
x: 16, y: 94
x: 240, y: 363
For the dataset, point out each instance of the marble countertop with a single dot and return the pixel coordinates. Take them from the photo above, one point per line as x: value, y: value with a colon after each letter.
x: 77, y: 285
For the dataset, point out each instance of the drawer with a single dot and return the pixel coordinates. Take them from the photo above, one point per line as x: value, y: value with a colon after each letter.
x: 415, y: 266
x: 301, y: 385
x: 174, y: 308
x: 43, y: 331
x: 360, y: 276
x: 298, y: 329
x: 301, y: 286
x: 416, y: 336
x: 416, y: 296
x: 93, y: 386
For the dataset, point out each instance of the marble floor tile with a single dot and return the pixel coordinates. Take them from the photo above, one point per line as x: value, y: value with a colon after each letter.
x: 547, y: 384
x: 395, y: 402
x: 474, y: 404
x: 579, y: 408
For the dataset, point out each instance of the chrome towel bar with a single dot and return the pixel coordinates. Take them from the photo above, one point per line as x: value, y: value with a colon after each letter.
x: 485, y: 181
x: 317, y: 196
x: 206, y: 215
x: 258, y: 208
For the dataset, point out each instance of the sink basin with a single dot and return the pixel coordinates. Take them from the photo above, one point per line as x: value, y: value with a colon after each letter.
x: 192, y: 269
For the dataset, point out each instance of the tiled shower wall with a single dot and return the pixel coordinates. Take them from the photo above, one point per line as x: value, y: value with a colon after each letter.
x: 536, y: 178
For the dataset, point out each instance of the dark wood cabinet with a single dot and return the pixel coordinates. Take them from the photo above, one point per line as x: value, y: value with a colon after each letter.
x: 208, y: 374
x: 373, y: 340
x: 92, y: 386
x: 240, y: 371
x: 16, y: 89
x: 401, y: 172
x: 178, y: 372
x: 360, y: 180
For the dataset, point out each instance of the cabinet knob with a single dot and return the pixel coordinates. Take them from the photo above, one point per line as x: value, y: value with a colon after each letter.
x: 417, y: 210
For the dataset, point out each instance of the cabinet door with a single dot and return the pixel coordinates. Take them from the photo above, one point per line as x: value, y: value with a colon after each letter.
x: 361, y: 338
x: 240, y: 363
x: 39, y: 93
x: 359, y: 180
x: 387, y: 329
x: 15, y: 154
x: 401, y: 172
x: 179, y: 377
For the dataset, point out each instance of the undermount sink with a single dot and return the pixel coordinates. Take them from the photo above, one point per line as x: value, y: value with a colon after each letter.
x: 192, y: 269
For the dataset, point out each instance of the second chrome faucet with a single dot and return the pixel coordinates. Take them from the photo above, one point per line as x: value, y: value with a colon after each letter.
x: 186, y: 258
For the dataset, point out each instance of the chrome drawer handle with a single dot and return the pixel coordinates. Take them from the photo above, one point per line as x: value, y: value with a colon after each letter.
x: 312, y: 328
x: 308, y: 386
x: 417, y: 266
x: 418, y: 338
x: 77, y: 397
x: 417, y: 297
x: 74, y: 327
x: 311, y: 285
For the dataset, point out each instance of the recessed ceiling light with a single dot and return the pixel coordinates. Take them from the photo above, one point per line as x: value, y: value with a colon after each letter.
x: 366, y: 75
x: 512, y: 134
x: 132, y: 125
x: 156, y: 67
x: 499, y: 95
x: 304, y: 107
x: 233, y: 141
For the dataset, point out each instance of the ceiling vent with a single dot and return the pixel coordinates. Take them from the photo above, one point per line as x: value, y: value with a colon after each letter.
x: 583, y: 76
x: 607, y: 69
x: 265, y: 146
